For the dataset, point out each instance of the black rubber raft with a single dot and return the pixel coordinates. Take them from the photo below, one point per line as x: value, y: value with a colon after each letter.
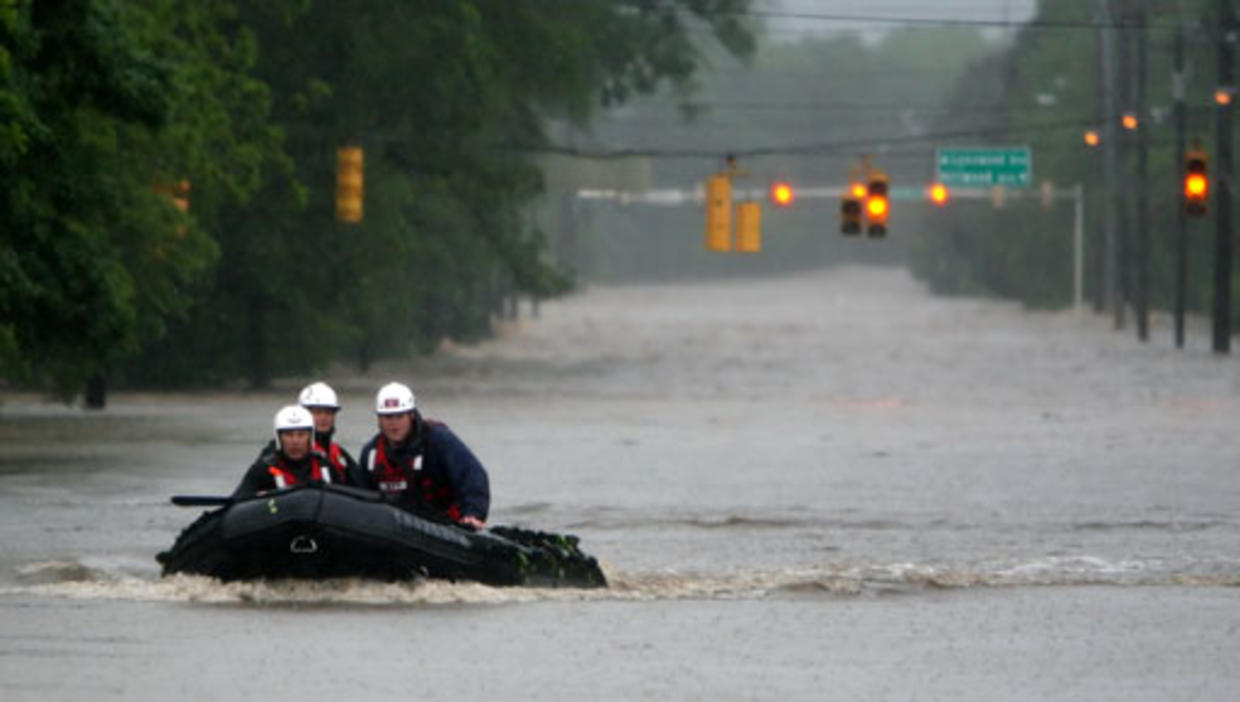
x: 329, y: 531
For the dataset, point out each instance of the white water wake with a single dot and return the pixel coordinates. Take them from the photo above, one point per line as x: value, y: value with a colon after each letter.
x: 79, y: 580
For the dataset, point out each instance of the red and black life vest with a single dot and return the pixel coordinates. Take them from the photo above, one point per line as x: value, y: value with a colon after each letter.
x: 409, y: 478
x: 284, y: 477
x: 335, y: 455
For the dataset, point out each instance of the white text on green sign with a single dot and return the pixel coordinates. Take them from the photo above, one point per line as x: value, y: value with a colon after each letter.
x: 984, y: 167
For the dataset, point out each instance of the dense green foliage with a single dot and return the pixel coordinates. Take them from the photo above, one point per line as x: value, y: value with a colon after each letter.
x: 1049, y: 76
x: 105, y: 104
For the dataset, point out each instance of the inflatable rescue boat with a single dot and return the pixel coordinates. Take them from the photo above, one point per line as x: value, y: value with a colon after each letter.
x: 330, y: 531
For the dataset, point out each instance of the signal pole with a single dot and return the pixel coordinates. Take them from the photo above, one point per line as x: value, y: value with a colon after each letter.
x: 1110, y: 145
x: 1181, y: 217
x: 1141, y: 252
x: 1100, y: 215
x: 1222, y: 203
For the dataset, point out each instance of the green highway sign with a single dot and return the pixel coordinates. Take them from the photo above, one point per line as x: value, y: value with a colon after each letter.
x: 984, y: 167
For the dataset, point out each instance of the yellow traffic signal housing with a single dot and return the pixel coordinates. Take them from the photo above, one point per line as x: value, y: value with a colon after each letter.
x: 748, y: 227
x: 349, y: 184
x: 719, y: 213
x: 1196, y: 183
x: 180, y: 195
x: 877, y: 206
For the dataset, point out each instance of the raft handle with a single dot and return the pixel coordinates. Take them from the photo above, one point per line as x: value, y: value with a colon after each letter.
x: 303, y: 544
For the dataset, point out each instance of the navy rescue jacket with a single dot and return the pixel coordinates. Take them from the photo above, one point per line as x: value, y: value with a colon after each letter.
x: 432, y: 472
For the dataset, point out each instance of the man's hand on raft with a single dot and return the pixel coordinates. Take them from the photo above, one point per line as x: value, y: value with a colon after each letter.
x: 472, y: 522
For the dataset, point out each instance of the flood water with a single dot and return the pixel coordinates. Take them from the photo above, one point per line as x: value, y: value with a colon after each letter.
x: 829, y: 486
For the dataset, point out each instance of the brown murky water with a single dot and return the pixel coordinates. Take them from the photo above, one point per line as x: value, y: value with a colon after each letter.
x: 831, y: 486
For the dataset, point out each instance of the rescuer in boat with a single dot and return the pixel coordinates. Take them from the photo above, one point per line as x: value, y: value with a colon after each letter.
x: 292, y: 459
x: 321, y: 401
x: 421, y: 465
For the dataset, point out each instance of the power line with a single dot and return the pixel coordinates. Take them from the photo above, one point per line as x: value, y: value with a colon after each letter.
x: 1009, y: 24
x: 792, y: 149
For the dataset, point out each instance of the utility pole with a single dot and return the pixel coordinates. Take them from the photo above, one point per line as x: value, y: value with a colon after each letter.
x: 1110, y: 146
x: 1101, y: 215
x: 1122, y: 83
x: 1141, y: 250
x: 1181, y: 217
x: 1222, y: 202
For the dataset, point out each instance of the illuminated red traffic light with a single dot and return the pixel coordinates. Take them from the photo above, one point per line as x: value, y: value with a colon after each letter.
x: 1196, y: 183
x: 782, y: 194
x: 1196, y: 186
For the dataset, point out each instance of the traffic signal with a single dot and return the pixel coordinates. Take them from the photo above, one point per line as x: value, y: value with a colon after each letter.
x: 781, y: 193
x: 1196, y: 183
x: 180, y: 195
x: 938, y: 194
x: 850, y: 210
x: 719, y: 213
x: 877, y: 206
x: 349, y: 184
x: 748, y: 227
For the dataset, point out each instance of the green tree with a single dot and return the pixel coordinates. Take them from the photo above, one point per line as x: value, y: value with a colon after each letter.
x: 90, y: 255
x: 445, y: 99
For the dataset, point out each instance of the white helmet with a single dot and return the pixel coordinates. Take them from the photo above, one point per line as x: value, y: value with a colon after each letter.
x: 293, y: 417
x: 394, y: 398
x: 318, y: 395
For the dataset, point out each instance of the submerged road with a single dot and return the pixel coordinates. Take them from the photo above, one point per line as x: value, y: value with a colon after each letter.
x: 828, y: 486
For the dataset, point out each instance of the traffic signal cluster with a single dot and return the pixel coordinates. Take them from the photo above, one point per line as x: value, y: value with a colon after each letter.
x: 722, y: 217
x: 866, y: 205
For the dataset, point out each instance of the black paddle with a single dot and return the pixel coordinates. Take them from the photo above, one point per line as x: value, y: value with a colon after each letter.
x: 201, y: 500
